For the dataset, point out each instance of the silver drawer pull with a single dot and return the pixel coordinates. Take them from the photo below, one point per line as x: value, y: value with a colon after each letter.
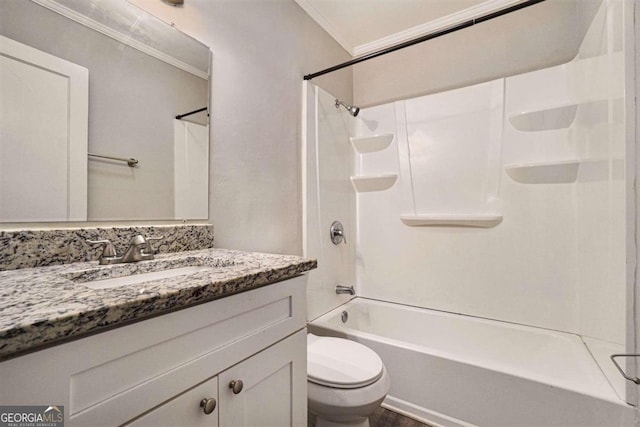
x: 208, y: 404
x: 236, y: 386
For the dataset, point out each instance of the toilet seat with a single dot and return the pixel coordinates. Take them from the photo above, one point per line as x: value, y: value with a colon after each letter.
x: 341, y: 363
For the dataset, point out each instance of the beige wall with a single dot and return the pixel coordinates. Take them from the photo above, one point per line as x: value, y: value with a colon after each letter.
x: 261, y: 50
x: 539, y: 36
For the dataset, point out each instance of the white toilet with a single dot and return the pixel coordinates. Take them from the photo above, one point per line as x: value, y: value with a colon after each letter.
x: 346, y: 382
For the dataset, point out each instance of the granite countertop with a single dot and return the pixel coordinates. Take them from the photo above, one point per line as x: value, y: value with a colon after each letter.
x: 43, y: 306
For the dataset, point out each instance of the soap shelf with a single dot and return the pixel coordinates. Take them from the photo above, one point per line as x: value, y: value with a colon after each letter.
x: 547, y: 119
x: 560, y: 172
x: 370, y: 144
x: 459, y: 220
x: 373, y: 182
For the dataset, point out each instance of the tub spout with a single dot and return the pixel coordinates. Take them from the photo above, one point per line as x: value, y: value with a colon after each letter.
x: 341, y: 289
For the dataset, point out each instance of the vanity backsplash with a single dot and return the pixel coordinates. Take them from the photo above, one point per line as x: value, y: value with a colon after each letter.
x: 39, y: 248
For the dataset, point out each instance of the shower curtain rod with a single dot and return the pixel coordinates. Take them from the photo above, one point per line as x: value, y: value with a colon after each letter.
x: 424, y: 38
x: 180, y: 116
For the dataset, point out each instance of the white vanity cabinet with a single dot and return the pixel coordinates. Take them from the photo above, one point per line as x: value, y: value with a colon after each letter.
x: 158, y: 371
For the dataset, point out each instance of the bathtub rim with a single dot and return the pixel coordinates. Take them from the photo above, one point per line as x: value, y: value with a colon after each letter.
x: 319, y: 323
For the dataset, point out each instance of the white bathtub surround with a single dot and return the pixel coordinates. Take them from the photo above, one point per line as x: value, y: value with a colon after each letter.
x: 508, y: 271
x: 589, y: 153
x: 449, y: 147
x: 328, y: 197
x: 546, y: 184
x: 456, y: 370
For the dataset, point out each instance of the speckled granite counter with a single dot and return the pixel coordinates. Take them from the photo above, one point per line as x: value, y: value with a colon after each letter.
x: 47, y: 305
x: 51, y: 246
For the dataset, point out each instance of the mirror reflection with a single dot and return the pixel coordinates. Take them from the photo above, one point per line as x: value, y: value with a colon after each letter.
x: 89, y: 94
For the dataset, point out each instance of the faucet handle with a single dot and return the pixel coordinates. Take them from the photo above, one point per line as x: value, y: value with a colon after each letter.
x: 149, y: 239
x: 108, y: 249
x: 337, y: 233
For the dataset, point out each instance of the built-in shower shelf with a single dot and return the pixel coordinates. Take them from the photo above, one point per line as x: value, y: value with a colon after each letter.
x: 547, y: 119
x: 561, y: 172
x: 456, y: 220
x: 369, y: 144
x: 373, y: 182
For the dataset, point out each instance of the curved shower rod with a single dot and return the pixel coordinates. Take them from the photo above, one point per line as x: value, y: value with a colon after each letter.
x: 424, y: 38
x: 180, y: 116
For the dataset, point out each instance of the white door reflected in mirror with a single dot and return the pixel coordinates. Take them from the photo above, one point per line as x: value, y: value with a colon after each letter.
x: 43, y: 130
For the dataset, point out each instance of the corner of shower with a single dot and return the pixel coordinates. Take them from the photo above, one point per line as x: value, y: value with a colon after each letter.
x: 327, y: 196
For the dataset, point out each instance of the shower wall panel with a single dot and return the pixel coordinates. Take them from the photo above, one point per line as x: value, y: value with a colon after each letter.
x: 600, y: 145
x: 329, y: 198
x: 524, y: 266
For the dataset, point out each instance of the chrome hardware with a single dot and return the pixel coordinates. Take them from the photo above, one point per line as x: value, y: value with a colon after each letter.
x: 341, y: 289
x: 236, y: 386
x: 337, y: 233
x: 131, y: 162
x: 108, y: 250
x: 626, y: 377
x: 139, y: 250
x: 149, y: 239
x: 344, y: 316
x: 208, y: 404
x: 352, y: 109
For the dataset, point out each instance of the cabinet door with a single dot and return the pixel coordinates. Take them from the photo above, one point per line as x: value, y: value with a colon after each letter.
x: 185, y: 409
x: 274, y: 387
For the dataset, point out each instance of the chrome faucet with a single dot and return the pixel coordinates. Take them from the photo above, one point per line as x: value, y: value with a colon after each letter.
x: 139, y: 250
x: 341, y: 289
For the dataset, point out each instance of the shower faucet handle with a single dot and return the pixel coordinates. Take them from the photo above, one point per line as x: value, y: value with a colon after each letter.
x: 337, y: 233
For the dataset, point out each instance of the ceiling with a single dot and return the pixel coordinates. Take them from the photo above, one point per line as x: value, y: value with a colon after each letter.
x: 363, y: 26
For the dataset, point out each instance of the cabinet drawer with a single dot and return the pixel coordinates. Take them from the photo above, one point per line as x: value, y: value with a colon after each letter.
x: 124, y: 373
x: 184, y: 410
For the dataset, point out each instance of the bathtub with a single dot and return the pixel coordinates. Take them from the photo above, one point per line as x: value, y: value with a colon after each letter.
x: 454, y: 370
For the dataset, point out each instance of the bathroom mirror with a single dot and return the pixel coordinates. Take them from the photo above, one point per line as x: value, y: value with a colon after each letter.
x: 138, y: 73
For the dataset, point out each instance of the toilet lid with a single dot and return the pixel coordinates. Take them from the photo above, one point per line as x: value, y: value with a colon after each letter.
x: 340, y: 363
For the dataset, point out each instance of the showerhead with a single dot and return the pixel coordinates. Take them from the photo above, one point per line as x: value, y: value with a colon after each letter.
x: 352, y: 109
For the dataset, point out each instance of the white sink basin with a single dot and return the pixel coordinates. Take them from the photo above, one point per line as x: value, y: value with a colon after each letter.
x: 145, y: 277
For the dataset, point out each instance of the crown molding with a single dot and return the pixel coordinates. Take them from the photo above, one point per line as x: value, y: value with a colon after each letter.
x: 308, y: 7
x: 122, y: 38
